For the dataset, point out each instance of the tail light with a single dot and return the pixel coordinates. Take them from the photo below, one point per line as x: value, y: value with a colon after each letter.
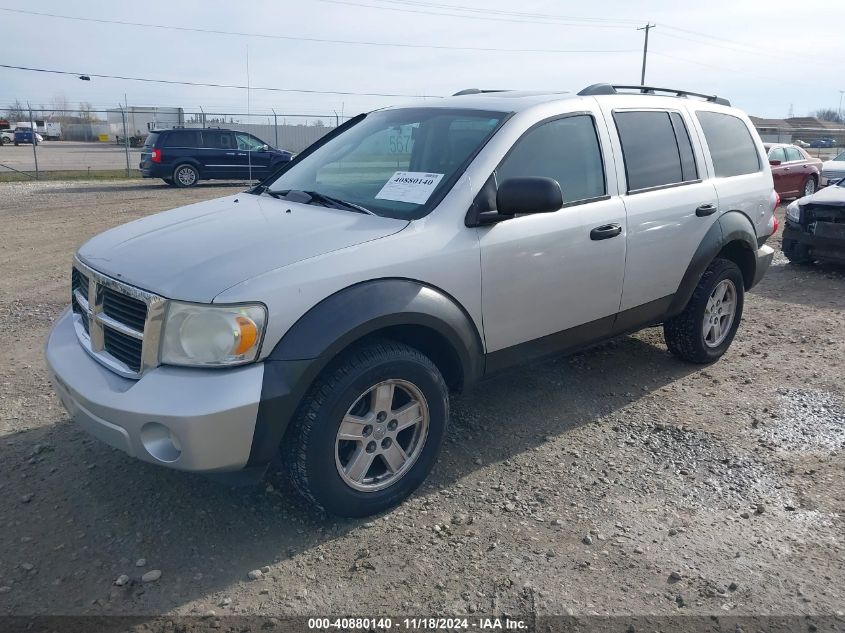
x: 156, y: 156
x: 775, y: 223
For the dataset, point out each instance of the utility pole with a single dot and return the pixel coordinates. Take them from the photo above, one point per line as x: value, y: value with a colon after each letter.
x: 645, y: 28
x: 841, y: 92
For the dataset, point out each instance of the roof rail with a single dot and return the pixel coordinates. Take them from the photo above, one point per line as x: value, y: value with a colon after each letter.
x: 474, y: 91
x: 612, y: 89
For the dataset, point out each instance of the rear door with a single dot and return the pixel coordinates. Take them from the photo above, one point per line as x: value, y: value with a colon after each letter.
x: 218, y: 155
x: 252, y: 159
x: 669, y: 201
x: 799, y: 168
x: 780, y: 171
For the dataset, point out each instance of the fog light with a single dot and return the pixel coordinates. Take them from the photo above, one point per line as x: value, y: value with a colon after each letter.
x: 161, y: 442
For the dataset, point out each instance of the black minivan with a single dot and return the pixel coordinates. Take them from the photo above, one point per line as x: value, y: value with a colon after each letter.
x: 182, y: 157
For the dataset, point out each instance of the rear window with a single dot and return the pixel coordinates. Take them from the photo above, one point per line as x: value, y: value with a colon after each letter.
x: 732, y: 148
x: 182, y: 138
x: 152, y: 137
x: 656, y: 148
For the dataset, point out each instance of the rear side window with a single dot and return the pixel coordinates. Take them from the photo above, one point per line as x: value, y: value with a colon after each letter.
x: 792, y: 153
x: 731, y: 146
x: 182, y: 138
x: 218, y: 140
x: 777, y: 153
x: 152, y: 137
x: 565, y: 149
x: 657, y: 149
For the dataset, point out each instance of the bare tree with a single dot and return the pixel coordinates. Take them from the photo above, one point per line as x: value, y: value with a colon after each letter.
x: 60, y: 106
x: 829, y: 114
x: 17, y: 111
x: 85, y: 111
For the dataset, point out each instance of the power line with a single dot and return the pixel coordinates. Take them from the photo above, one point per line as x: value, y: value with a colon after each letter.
x: 422, y: 10
x: 209, y: 85
x: 713, y: 66
x: 519, y: 14
x: 317, y: 40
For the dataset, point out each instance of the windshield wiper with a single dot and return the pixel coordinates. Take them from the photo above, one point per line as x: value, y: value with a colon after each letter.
x: 321, y: 198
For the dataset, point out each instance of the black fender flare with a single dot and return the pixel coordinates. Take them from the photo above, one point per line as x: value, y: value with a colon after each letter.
x: 732, y: 226
x: 337, y: 322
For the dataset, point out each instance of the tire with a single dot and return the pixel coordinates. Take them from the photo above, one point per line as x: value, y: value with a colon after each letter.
x: 795, y: 252
x: 5, y: 140
x: 809, y: 187
x: 185, y: 175
x: 169, y: 181
x: 16, y: 144
x: 685, y: 334
x: 322, y: 464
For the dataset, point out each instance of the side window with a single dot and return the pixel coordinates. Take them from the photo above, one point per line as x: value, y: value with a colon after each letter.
x: 777, y: 153
x: 688, y: 167
x: 731, y: 146
x: 218, y: 140
x: 182, y: 138
x: 247, y: 142
x: 792, y: 153
x: 654, y: 155
x: 565, y: 149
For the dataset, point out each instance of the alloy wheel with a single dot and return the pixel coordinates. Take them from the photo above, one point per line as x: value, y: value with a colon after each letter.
x: 719, y: 313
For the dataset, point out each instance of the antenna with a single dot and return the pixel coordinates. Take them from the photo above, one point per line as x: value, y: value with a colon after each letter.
x: 248, y: 151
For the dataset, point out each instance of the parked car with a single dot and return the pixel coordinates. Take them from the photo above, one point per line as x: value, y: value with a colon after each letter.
x: 7, y: 136
x: 183, y: 157
x: 26, y: 135
x: 833, y: 170
x: 823, y: 142
x: 795, y: 172
x: 329, y: 311
x: 815, y: 227
x: 800, y: 143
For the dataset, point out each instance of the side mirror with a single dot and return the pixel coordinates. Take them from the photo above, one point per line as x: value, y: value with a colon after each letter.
x: 528, y: 195
x: 265, y: 148
x: 774, y: 163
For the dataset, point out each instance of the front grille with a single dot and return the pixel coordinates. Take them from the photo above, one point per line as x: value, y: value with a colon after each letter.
x: 121, y: 326
x: 123, y: 347
x: 125, y: 309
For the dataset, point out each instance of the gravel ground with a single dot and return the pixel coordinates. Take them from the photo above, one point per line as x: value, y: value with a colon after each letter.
x: 616, y: 481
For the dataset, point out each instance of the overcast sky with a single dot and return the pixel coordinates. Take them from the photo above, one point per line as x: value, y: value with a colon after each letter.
x: 765, y: 55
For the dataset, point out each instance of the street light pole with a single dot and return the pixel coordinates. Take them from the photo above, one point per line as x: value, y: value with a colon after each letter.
x: 841, y: 92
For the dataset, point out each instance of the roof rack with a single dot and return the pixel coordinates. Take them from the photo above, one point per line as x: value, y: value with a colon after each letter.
x: 612, y: 89
x: 475, y: 91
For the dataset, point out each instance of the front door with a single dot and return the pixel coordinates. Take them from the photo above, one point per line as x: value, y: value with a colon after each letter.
x: 253, y: 160
x: 547, y: 273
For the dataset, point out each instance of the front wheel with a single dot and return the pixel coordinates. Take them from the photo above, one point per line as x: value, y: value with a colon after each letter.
x: 369, y: 430
x: 708, y: 324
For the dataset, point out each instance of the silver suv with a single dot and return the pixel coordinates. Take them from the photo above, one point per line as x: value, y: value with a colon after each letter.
x: 329, y: 311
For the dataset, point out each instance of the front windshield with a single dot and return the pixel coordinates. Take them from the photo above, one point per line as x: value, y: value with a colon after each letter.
x: 840, y: 157
x: 397, y: 163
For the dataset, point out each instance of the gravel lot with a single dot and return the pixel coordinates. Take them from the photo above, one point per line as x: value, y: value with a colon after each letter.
x: 615, y: 481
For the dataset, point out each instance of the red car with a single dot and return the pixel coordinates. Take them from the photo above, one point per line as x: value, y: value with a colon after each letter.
x: 795, y: 172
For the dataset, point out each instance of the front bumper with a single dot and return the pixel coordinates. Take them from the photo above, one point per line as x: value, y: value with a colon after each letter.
x: 764, y: 257
x: 827, y: 242
x: 184, y: 418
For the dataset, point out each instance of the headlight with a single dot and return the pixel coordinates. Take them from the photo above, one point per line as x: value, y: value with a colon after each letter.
x: 209, y: 335
x: 793, y: 211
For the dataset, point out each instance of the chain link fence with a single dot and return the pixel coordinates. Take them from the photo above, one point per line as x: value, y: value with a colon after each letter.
x: 108, y: 143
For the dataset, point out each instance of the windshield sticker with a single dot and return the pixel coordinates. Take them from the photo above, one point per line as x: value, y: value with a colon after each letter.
x: 409, y: 186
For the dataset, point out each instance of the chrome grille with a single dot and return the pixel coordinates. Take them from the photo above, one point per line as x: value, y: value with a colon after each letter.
x: 118, y: 324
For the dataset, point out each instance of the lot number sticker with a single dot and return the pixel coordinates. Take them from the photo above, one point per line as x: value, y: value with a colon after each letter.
x: 409, y: 186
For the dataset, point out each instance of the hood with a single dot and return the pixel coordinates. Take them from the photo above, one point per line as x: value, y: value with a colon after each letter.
x: 195, y: 252
x: 834, y: 165
x: 833, y: 196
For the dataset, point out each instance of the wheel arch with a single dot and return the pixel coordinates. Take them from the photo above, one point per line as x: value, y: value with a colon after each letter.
x: 734, y: 237
x: 405, y: 310
x: 193, y: 162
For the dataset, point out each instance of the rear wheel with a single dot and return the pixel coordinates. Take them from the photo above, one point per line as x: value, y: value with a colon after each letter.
x: 809, y: 187
x: 185, y: 175
x: 369, y: 430
x: 708, y: 324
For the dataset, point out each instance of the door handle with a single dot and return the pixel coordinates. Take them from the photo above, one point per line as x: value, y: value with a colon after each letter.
x: 605, y: 231
x: 230, y: 153
x: 705, y: 210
